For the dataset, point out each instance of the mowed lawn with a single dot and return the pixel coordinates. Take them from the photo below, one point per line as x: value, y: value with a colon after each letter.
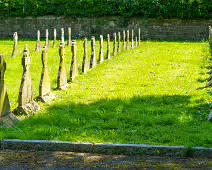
x: 155, y: 94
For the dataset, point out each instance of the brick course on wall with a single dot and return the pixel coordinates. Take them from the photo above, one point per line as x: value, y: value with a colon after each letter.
x: 173, y: 29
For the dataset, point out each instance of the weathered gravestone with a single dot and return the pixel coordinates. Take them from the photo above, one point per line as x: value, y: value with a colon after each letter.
x: 69, y: 37
x: 6, y: 116
x: 55, y: 38
x: 26, y: 103
x: 86, y: 65
x: 101, y: 51
x: 47, y: 38
x: 139, y: 36
x: 15, y: 45
x: 62, y: 36
x: 119, y: 42
x: 93, y: 62
x: 74, y: 62
x: 62, y: 75
x: 136, y: 41
x: 108, y: 46
x: 45, y: 93
x: 132, y: 46
x: 38, y: 44
x: 124, y: 40
x: 128, y: 39
x: 114, y: 45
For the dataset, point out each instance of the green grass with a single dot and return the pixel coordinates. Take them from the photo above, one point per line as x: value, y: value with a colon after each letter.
x: 154, y: 94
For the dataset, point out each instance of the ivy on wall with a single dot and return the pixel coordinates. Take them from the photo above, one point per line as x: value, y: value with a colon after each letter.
x: 164, y: 9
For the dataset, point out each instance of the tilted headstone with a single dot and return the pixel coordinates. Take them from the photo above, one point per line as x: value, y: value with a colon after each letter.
x: 108, y: 46
x: 15, y: 45
x: 93, y: 62
x: 136, y: 41
x: 62, y: 36
x: 86, y: 64
x: 124, y: 40
x: 69, y: 36
x: 101, y: 51
x: 45, y: 93
x: 74, y: 62
x: 139, y: 36
x: 128, y: 39
x: 119, y: 42
x: 47, y: 38
x: 62, y: 75
x: 26, y: 103
x: 6, y: 116
x: 38, y: 44
x: 55, y: 38
x: 132, y: 39
x: 114, y: 45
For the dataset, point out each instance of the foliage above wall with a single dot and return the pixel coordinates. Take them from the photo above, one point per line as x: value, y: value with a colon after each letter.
x: 182, y: 9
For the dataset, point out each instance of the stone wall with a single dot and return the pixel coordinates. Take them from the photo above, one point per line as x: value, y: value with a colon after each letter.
x: 86, y: 27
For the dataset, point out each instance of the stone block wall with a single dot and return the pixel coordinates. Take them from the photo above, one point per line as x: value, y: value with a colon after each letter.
x: 173, y: 29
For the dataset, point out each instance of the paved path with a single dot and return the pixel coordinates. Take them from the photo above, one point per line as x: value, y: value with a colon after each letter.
x: 16, y: 160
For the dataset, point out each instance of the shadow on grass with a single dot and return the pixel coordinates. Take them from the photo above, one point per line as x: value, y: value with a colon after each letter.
x: 169, y: 120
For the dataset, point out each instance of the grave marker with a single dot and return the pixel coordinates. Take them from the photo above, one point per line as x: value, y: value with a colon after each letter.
x: 45, y: 93
x: 132, y: 39
x: 114, y: 45
x: 69, y: 36
x: 139, y: 36
x: 62, y: 75
x: 55, y: 38
x: 128, y: 39
x: 15, y: 45
x: 136, y: 41
x: 101, y: 51
x: 38, y: 44
x: 119, y: 42
x: 74, y: 63
x: 62, y: 36
x: 124, y: 40
x: 26, y: 103
x: 6, y: 116
x: 86, y: 65
x: 108, y: 46
x: 93, y: 52
x: 47, y: 38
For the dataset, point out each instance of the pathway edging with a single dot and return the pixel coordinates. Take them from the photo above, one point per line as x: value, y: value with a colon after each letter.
x: 126, y: 149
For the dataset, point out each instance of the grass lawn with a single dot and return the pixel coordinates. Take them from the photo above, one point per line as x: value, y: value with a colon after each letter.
x: 154, y: 94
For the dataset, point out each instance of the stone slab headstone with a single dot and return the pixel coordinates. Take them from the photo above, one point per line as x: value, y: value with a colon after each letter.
x: 132, y: 46
x: 108, y: 46
x: 45, y: 94
x: 136, y: 41
x: 114, y: 45
x: 69, y: 37
x: 74, y: 62
x: 93, y: 62
x: 139, y: 36
x: 47, y: 38
x: 26, y: 103
x: 38, y: 44
x: 6, y: 117
x: 101, y: 51
x: 86, y: 64
x: 124, y: 40
x: 15, y: 45
x: 62, y: 36
x: 62, y: 75
x: 128, y: 39
x: 55, y: 38
x: 119, y: 42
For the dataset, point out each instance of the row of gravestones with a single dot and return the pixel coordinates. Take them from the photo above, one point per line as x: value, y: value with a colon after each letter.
x: 210, y: 78
x: 26, y: 103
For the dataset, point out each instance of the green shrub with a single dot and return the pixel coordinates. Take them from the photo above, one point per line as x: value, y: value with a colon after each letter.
x: 182, y: 9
